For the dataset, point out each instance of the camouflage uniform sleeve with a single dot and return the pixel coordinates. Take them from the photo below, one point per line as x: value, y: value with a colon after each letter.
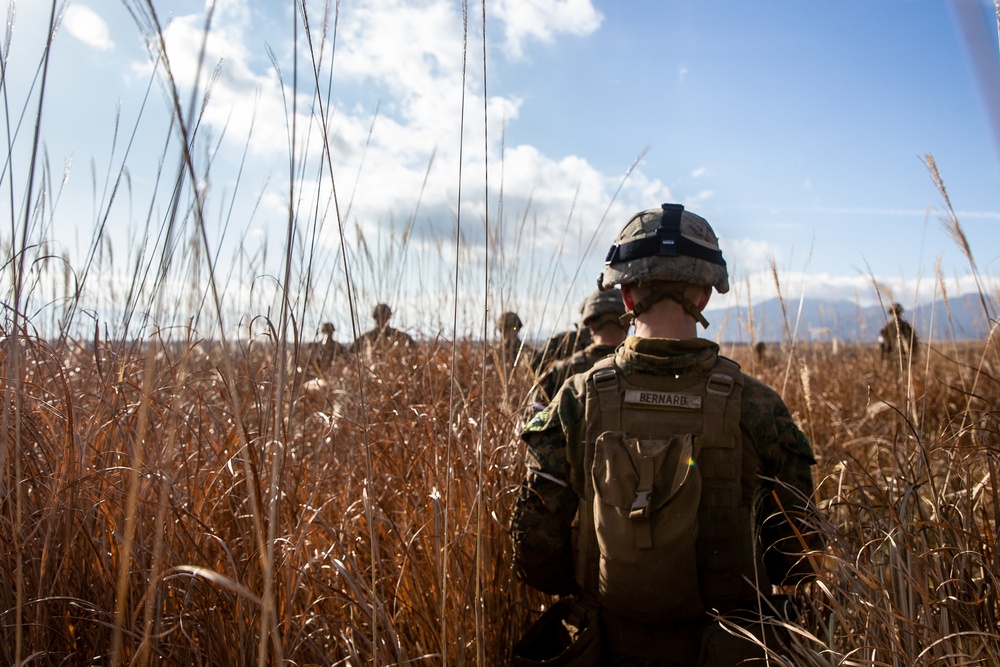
x: 550, y: 382
x: 546, y: 506
x: 785, y: 502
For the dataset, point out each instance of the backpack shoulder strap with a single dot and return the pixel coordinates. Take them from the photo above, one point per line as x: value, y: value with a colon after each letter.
x: 602, y: 413
x: 725, y: 537
x: 603, y: 383
x: 580, y: 362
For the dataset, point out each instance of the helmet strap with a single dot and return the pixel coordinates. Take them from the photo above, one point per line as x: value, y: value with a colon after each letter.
x: 660, y: 291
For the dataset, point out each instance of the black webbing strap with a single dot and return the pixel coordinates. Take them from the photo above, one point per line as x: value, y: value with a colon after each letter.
x: 671, y: 219
x: 667, y: 242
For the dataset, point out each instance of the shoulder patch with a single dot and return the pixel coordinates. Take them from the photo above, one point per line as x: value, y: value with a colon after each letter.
x: 540, y: 422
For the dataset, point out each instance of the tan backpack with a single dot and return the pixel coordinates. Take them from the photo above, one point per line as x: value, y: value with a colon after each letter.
x: 666, y: 531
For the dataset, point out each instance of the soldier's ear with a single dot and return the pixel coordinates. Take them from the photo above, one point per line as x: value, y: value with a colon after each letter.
x: 706, y: 294
x: 627, y: 297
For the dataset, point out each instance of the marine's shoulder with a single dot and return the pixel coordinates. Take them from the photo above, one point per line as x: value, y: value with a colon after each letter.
x: 757, y: 391
x: 566, y: 408
x: 761, y: 407
x: 559, y: 366
x: 768, y: 422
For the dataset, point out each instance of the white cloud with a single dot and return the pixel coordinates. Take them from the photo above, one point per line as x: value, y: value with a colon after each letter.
x: 696, y: 200
x: 543, y: 20
x: 87, y: 26
x: 408, y: 56
x: 413, y: 49
x: 746, y: 255
x: 699, y: 172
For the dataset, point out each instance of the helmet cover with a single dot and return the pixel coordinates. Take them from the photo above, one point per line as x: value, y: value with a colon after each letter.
x: 509, y: 321
x: 666, y: 243
x: 608, y: 302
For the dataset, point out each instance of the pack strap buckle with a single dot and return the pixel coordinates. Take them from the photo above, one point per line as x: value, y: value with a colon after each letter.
x: 605, y: 379
x: 720, y: 384
x: 640, y: 506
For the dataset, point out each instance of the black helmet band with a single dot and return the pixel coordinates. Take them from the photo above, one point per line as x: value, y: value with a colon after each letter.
x: 667, y: 242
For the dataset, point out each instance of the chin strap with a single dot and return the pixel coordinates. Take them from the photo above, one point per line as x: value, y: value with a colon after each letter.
x: 660, y: 291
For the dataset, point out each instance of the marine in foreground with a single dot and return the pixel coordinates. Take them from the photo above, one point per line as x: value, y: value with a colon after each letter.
x: 665, y: 489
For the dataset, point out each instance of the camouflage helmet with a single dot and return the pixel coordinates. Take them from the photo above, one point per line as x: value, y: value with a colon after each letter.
x: 509, y: 321
x: 381, y: 312
x: 608, y: 302
x: 666, y: 243
x: 896, y: 309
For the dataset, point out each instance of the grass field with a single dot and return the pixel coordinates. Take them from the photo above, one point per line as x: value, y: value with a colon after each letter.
x: 164, y: 506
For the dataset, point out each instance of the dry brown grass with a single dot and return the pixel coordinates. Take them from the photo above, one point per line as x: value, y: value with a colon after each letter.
x: 390, y: 544
x: 387, y: 505
x: 908, y: 487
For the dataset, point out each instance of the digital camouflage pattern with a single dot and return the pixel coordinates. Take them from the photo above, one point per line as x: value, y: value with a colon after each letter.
x: 559, y: 346
x: 596, y: 310
x: 559, y: 371
x: 555, y: 439
x: 602, y: 302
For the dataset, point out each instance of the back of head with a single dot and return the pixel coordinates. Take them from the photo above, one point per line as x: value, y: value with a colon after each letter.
x: 381, y: 312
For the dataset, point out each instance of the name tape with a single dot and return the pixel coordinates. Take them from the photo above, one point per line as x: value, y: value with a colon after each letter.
x: 662, y: 399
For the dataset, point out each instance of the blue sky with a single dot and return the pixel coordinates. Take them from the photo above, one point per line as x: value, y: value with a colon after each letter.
x: 799, y: 130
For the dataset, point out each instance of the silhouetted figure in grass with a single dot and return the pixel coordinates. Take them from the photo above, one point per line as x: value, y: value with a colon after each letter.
x: 320, y: 360
x: 512, y: 348
x: 327, y: 350
x: 760, y: 351
x: 897, y: 340
x: 383, y: 337
x: 319, y: 357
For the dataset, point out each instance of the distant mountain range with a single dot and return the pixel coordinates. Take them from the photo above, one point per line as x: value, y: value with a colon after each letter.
x: 962, y: 319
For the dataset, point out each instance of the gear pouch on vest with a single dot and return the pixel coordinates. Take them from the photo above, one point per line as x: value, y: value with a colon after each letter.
x: 646, y: 497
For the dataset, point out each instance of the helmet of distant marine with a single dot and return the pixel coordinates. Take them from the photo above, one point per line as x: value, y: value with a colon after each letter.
x: 600, y: 303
